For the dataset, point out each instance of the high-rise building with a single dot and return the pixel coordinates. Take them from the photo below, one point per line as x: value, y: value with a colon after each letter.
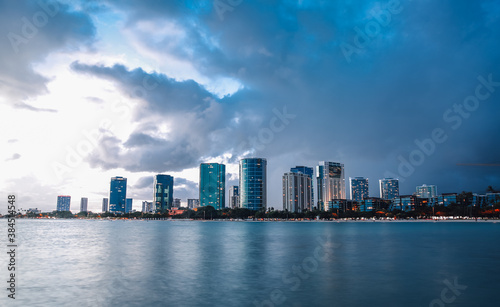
x: 105, y: 204
x: 163, y: 197
x: 253, y: 183
x: 84, y: 204
x: 213, y: 185
x: 117, y: 195
x: 331, y: 183
x: 297, y: 192
x: 359, y: 188
x: 193, y: 203
x: 147, y: 206
x: 447, y: 199
x: 234, y: 197
x: 389, y: 188
x: 176, y: 203
x: 308, y: 171
x: 63, y: 202
x: 426, y: 191
x: 128, y: 205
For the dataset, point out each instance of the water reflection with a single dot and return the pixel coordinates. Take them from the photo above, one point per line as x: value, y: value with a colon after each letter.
x: 187, y: 263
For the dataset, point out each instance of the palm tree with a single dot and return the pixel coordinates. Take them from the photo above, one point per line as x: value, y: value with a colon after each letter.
x: 490, y: 189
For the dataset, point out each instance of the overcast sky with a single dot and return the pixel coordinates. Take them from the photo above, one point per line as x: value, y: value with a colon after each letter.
x: 95, y: 89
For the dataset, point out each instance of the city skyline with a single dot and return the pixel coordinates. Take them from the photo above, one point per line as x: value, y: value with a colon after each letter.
x: 401, y: 89
x: 297, y: 189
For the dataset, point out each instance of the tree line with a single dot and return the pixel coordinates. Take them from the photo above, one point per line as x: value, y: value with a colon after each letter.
x: 210, y: 213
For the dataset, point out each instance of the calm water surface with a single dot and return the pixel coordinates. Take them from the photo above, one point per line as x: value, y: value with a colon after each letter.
x: 188, y: 263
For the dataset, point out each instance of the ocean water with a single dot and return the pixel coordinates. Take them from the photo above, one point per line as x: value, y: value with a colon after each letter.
x: 195, y: 263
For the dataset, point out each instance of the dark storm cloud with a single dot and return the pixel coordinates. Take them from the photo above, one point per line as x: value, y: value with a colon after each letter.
x: 183, y: 181
x: 369, y: 109
x: 144, y: 182
x: 107, y: 153
x: 185, y: 189
x: 138, y: 155
x: 140, y: 139
x: 30, y: 31
x: 167, y: 95
x: 200, y: 124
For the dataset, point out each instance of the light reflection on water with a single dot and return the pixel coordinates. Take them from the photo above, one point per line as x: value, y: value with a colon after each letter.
x: 188, y: 263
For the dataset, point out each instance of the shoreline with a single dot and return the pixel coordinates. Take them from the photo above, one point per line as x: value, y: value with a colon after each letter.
x: 279, y: 220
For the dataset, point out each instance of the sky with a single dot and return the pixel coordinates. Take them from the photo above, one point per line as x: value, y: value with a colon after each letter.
x: 90, y: 90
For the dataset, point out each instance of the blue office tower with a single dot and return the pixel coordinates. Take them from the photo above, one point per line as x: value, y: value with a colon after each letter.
x: 128, y: 206
x: 389, y: 188
x: 253, y: 183
x: 63, y: 202
x: 213, y: 185
x: 117, y: 195
x: 359, y: 188
x: 163, y: 194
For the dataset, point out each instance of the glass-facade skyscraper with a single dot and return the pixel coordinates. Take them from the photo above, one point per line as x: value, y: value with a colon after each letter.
x: 128, y: 205
x: 117, y: 194
x: 359, y: 188
x: 147, y: 206
x: 234, y: 197
x: 163, y: 194
x: 213, y: 185
x: 253, y: 183
x: 297, y: 192
x: 193, y: 203
x: 105, y: 202
x: 84, y: 204
x: 63, y: 202
x: 389, y: 188
x: 426, y: 191
x: 308, y: 171
x: 331, y: 183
